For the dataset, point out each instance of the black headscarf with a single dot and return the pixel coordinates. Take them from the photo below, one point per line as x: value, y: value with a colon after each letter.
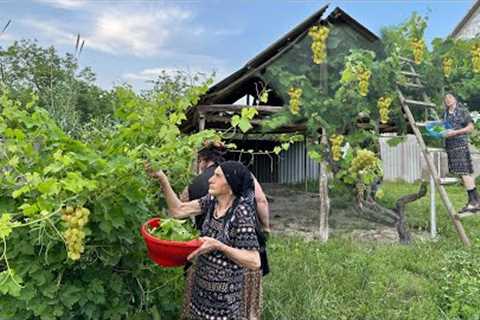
x: 238, y: 177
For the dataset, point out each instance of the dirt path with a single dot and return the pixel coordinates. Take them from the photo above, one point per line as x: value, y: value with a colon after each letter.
x: 295, y: 212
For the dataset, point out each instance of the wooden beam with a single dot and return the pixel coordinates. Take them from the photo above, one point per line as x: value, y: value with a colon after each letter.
x: 237, y: 108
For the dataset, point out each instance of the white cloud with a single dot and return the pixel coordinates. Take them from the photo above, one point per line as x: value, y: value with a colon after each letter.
x: 153, y: 73
x: 65, y: 4
x: 136, y: 33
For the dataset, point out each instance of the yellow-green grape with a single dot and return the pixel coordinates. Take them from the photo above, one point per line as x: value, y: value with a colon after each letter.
x: 364, y: 159
x: 363, y: 76
x: 418, y: 49
x: 74, y: 236
x: 319, y: 35
x: 336, y: 146
x: 476, y: 58
x: 383, y: 105
x: 447, y: 66
x: 295, y: 95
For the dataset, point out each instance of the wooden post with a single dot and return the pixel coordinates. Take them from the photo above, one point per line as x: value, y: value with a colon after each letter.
x: 305, y: 166
x: 201, y: 127
x: 323, y: 192
x: 433, y: 214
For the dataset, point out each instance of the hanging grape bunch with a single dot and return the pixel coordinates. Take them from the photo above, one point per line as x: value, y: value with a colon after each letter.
x: 365, y: 166
x: 476, y: 58
x: 319, y: 35
x: 447, y: 66
x: 295, y: 94
x: 363, y: 76
x: 75, y: 220
x: 383, y: 105
x: 418, y: 47
x: 336, y: 146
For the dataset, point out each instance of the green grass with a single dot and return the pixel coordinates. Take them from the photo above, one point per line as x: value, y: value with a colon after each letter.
x: 346, y: 280
x: 418, y: 212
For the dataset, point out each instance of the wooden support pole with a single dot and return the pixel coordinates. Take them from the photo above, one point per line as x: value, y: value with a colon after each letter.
x: 323, y: 192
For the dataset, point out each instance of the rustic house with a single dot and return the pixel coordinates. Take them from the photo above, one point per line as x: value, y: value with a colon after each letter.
x: 242, y: 88
x: 469, y: 26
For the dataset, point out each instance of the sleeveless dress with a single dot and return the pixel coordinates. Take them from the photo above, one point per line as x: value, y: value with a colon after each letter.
x: 459, y: 157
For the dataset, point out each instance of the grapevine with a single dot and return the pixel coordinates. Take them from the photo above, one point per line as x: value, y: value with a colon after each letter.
x: 363, y: 75
x: 75, y: 220
x: 475, y: 51
x: 319, y: 34
x: 366, y: 166
x: 295, y: 95
x: 383, y: 107
x: 336, y: 141
x: 418, y: 48
x: 447, y: 66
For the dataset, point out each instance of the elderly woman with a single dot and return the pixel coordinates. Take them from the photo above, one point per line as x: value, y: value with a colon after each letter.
x: 225, y: 282
x: 458, y: 152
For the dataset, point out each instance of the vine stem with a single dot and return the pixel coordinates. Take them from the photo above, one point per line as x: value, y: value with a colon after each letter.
x: 9, y: 270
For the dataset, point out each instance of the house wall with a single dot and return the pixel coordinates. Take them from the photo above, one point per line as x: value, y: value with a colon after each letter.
x: 292, y: 168
x: 471, y: 28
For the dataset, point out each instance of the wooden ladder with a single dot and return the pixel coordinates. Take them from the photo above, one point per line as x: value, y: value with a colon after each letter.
x: 414, y: 83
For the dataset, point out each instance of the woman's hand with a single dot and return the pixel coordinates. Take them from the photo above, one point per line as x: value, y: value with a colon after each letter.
x: 449, y: 133
x: 152, y: 173
x: 209, y: 244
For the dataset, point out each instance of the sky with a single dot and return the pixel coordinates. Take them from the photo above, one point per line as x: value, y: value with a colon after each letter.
x: 131, y: 41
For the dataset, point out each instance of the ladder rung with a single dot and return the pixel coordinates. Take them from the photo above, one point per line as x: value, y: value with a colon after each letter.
x: 411, y: 85
x: 430, y: 149
x: 467, y: 214
x: 420, y: 124
x: 410, y: 74
x: 420, y: 103
x: 449, y: 180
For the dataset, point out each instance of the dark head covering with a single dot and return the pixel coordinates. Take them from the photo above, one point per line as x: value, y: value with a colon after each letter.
x: 238, y: 177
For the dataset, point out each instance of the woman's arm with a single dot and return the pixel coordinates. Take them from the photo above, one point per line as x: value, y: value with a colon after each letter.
x: 177, y: 208
x: 263, y: 208
x: 247, y: 258
x: 468, y: 129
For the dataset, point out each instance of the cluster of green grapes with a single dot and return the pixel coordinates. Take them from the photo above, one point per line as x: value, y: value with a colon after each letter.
x: 476, y: 58
x: 418, y: 48
x: 319, y: 34
x: 75, y: 220
x: 383, y: 105
x: 447, y: 66
x: 336, y: 146
x: 295, y: 94
x: 364, y: 160
x: 363, y: 75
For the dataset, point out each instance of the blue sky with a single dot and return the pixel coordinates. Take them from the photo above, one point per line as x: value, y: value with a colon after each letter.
x: 131, y: 41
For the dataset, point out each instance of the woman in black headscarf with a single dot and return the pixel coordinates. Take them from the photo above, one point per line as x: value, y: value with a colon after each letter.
x: 225, y: 282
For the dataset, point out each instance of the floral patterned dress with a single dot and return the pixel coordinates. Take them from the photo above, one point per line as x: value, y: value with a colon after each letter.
x: 459, y: 157
x: 217, y: 287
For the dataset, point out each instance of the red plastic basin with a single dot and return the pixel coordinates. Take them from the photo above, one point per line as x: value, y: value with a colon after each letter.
x: 167, y: 253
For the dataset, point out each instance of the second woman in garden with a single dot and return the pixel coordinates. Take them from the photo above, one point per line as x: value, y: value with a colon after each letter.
x: 225, y: 281
x: 458, y: 152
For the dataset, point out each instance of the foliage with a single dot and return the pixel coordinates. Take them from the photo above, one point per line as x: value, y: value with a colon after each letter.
x: 45, y: 172
x: 174, y: 229
x: 67, y: 93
